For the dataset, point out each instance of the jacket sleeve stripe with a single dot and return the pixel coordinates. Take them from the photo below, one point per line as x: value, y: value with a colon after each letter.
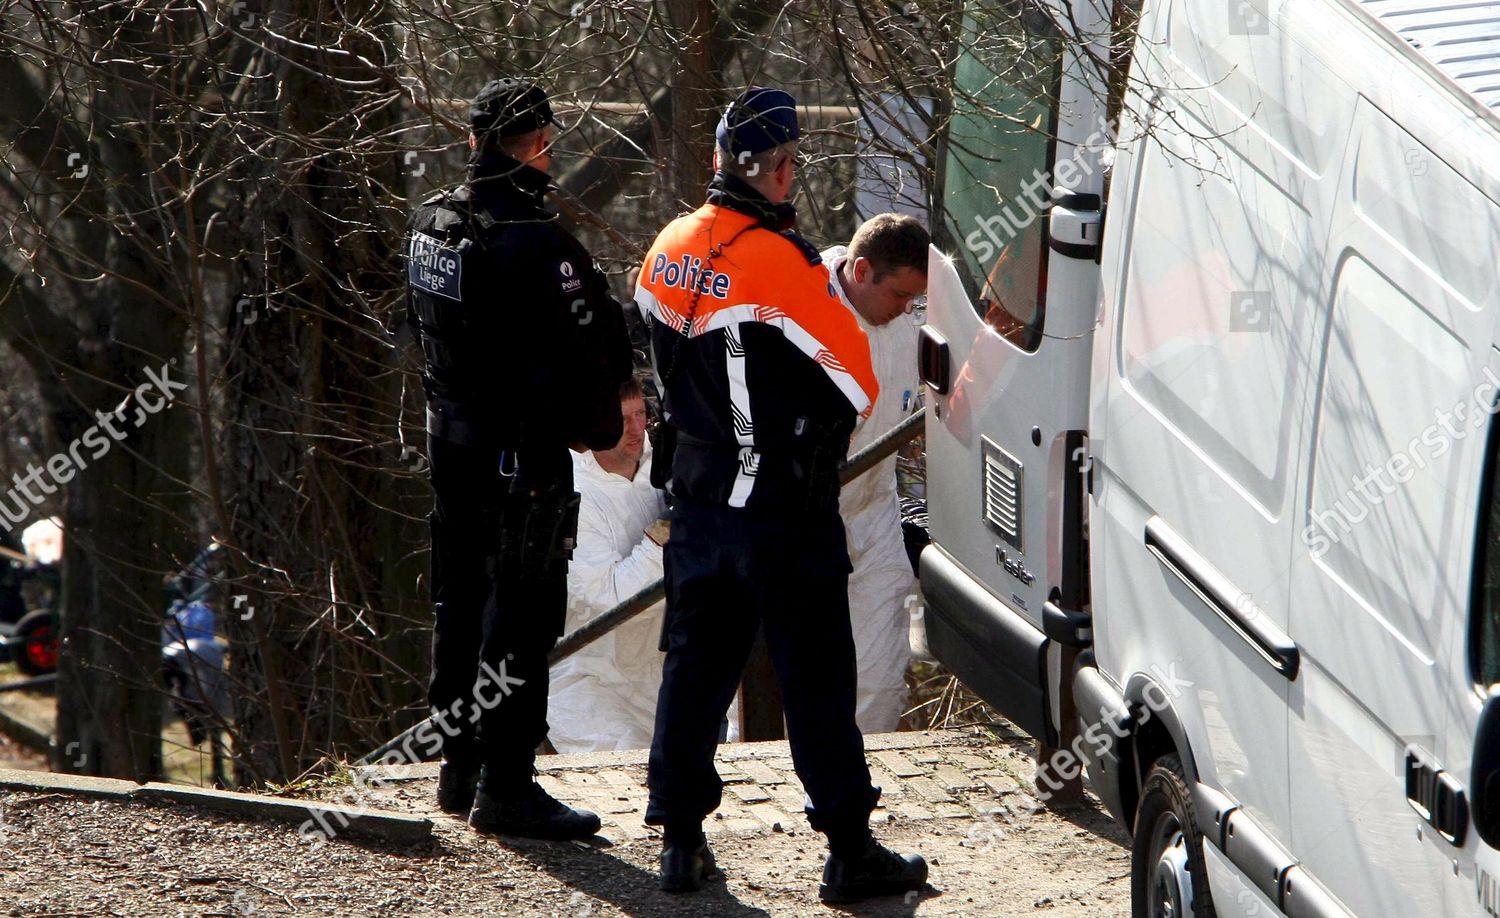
x: 798, y: 336
x: 744, y: 421
x: 744, y: 479
x: 726, y: 316
x: 654, y: 309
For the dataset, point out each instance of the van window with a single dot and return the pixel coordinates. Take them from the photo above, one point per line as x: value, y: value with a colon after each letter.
x: 996, y: 180
x: 1402, y: 403
x: 1486, y: 606
x: 1214, y: 319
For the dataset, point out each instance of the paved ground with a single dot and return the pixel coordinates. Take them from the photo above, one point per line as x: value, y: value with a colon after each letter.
x: 61, y: 854
x: 960, y: 798
x: 924, y: 776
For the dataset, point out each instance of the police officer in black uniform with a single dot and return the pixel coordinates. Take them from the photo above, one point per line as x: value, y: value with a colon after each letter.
x: 525, y: 353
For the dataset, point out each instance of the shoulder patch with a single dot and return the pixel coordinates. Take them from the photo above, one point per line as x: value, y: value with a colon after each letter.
x: 434, y: 268
x: 808, y: 250
x: 568, y: 276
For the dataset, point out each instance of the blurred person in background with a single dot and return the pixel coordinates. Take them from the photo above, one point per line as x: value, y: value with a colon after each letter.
x: 12, y: 560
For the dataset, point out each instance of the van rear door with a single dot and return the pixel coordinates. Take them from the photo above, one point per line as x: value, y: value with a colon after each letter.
x: 1013, y: 294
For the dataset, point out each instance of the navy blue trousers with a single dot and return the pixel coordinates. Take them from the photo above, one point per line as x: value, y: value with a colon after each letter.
x: 487, y: 614
x: 730, y: 574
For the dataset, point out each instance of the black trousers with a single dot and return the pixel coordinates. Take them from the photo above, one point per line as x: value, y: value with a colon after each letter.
x: 729, y: 575
x: 493, y: 626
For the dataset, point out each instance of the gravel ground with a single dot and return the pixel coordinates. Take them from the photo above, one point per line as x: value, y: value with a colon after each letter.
x: 63, y: 855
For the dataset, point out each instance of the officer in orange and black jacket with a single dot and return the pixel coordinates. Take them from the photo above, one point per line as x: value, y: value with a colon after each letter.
x: 525, y: 353
x: 763, y: 374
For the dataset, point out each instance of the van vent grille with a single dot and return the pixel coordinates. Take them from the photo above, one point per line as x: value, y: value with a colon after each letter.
x: 1002, y: 493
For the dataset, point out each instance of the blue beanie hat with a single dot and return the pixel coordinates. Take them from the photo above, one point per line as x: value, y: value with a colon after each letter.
x: 758, y: 120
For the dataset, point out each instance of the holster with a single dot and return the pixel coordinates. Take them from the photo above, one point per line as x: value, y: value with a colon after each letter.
x: 540, y: 531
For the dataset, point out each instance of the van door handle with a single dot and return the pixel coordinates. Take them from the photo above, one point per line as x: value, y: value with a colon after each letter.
x: 1075, y: 226
x: 1233, y: 606
x: 933, y: 361
x: 1066, y: 626
x: 1436, y: 796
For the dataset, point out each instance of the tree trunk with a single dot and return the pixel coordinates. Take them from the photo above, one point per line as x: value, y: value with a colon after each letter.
x: 695, y: 89
x: 121, y: 529
x: 123, y: 479
x: 326, y: 510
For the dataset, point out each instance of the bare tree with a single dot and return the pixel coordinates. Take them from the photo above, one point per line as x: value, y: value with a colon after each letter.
x: 225, y: 186
x: 96, y: 298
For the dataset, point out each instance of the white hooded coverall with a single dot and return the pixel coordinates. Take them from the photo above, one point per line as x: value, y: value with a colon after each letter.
x: 882, y: 579
x: 603, y: 697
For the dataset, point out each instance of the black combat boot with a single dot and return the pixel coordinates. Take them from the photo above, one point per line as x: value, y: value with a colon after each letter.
x: 529, y: 811
x: 686, y: 860
x: 874, y: 871
x: 456, y: 781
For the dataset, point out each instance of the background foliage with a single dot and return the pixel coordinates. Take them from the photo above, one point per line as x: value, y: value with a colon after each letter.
x: 221, y: 188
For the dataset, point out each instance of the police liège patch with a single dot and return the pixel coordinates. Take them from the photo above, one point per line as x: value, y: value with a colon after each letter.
x: 571, y: 283
x: 434, y: 268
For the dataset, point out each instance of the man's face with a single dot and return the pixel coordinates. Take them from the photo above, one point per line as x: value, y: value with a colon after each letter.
x: 633, y: 442
x: 881, y: 301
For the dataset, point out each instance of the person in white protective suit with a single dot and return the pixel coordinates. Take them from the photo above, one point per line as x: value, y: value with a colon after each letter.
x: 603, y: 697
x: 879, y: 276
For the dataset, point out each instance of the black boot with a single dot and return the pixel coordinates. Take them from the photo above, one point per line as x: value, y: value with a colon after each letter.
x: 875, y: 871
x: 529, y: 812
x: 456, y: 782
x: 686, y: 861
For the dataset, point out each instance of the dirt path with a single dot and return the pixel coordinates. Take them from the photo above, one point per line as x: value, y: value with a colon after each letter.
x: 184, y: 763
x: 65, y: 855
x: 14, y: 755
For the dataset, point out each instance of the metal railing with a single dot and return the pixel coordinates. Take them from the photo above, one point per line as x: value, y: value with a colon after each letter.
x: 602, y: 624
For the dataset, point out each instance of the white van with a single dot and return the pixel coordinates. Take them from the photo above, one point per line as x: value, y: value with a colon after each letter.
x: 1212, y: 469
